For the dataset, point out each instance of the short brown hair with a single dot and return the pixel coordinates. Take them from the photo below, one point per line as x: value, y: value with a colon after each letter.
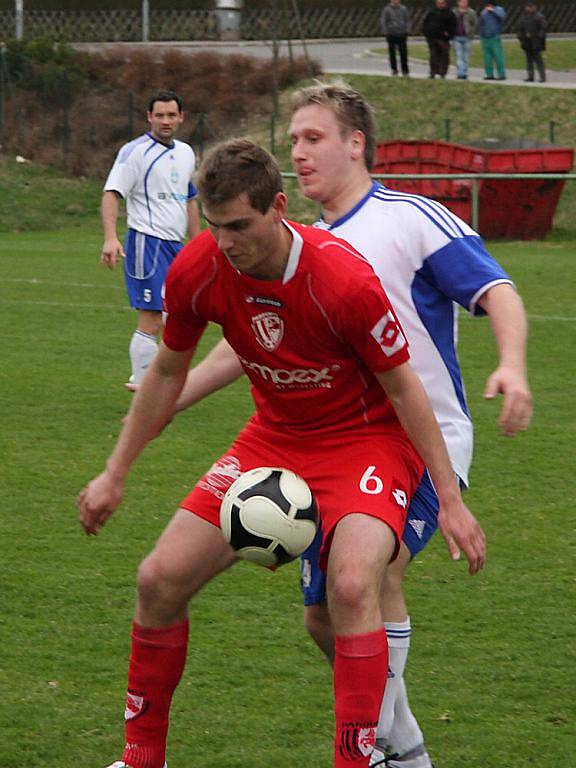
x: 239, y: 166
x: 351, y: 109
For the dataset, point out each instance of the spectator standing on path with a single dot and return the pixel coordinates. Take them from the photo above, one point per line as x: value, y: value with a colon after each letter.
x: 531, y: 32
x: 491, y: 22
x: 466, y: 27
x: 439, y: 29
x: 395, y: 22
x: 153, y: 174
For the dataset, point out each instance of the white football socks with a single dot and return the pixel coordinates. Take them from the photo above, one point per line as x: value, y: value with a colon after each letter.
x: 406, y: 734
x: 143, y: 347
x: 398, y: 634
x: 398, y: 730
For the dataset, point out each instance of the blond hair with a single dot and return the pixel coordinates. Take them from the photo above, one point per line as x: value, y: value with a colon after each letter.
x: 351, y: 109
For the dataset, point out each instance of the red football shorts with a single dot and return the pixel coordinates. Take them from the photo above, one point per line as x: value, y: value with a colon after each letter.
x: 373, y: 471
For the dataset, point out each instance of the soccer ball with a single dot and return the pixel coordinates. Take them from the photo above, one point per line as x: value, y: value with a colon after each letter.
x: 269, y: 516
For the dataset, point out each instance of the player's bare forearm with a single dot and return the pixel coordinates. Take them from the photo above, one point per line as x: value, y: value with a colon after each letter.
x: 153, y: 403
x: 112, y: 247
x: 510, y: 327
x: 218, y: 369
x: 414, y: 411
x: 193, y: 219
x: 151, y: 406
x: 457, y: 524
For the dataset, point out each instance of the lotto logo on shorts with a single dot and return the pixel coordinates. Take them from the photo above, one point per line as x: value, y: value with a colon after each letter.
x: 399, y: 496
x: 388, y: 335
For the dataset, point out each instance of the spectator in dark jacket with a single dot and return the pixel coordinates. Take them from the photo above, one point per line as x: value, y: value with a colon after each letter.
x: 439, y: 29
x: 531, y: 32
x: 395, y: 21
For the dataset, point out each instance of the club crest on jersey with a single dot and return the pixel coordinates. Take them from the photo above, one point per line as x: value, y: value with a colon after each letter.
x: 268, y: 329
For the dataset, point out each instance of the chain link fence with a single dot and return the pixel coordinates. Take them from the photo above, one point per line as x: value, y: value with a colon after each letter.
x: 127, y: 25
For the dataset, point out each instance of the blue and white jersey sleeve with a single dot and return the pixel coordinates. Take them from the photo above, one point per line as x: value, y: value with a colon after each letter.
x: 447, y: 253
x: 126, y: 170
x: 463, y: 270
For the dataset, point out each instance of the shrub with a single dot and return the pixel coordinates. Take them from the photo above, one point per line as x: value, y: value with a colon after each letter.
x: 76, y: 111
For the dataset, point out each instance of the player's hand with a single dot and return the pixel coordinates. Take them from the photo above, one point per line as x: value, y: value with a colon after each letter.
x: 516, y: 411
x: 462, y: 532
x: 111, y: 250
x: 98, y: 500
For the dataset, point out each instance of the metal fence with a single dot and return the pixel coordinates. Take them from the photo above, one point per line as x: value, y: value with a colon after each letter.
x: 162, y: 25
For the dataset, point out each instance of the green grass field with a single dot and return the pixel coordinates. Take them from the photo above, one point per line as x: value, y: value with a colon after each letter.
x: 492, y: 667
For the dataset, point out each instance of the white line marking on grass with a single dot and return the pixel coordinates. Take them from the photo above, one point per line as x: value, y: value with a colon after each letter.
x: 62, y: 304
x: 540, y: 318
x: 552, y: 317
x: 36, y: 281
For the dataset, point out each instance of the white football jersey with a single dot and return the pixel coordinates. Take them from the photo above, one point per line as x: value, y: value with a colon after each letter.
x: 428, y: 261
x: 156, y: 182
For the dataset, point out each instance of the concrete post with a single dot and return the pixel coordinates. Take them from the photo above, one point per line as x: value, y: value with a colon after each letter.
x: 229, y: 17
x: 145, y: 21
x: 19, y: 19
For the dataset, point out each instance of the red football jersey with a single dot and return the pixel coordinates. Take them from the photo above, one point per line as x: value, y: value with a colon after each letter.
x: 308, y: 342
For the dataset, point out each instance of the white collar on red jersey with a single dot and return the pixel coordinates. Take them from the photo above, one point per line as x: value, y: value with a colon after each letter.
x: 294, y: 255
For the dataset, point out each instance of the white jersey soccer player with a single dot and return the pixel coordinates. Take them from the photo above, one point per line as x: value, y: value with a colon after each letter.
x: 427, y: 259
x: 154, y: 175
x: 155, y: 180
x: 430, y: 261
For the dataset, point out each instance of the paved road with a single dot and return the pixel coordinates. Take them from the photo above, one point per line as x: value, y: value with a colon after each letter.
x: 352, y: 56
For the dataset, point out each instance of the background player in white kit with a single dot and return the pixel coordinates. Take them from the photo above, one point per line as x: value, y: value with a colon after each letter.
x: 336, y: 324
x: 427, y: 259
x: 154, y: 174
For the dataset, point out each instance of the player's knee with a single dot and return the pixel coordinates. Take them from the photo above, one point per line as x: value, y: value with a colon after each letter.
x: 352, y: 594
x: 154, y: 581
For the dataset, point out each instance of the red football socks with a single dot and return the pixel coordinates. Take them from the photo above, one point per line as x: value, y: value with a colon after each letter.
x: 157, y: 662
x: 360, y: 674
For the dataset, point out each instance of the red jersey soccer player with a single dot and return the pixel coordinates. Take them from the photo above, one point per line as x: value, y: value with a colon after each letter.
x: 327, y: 361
